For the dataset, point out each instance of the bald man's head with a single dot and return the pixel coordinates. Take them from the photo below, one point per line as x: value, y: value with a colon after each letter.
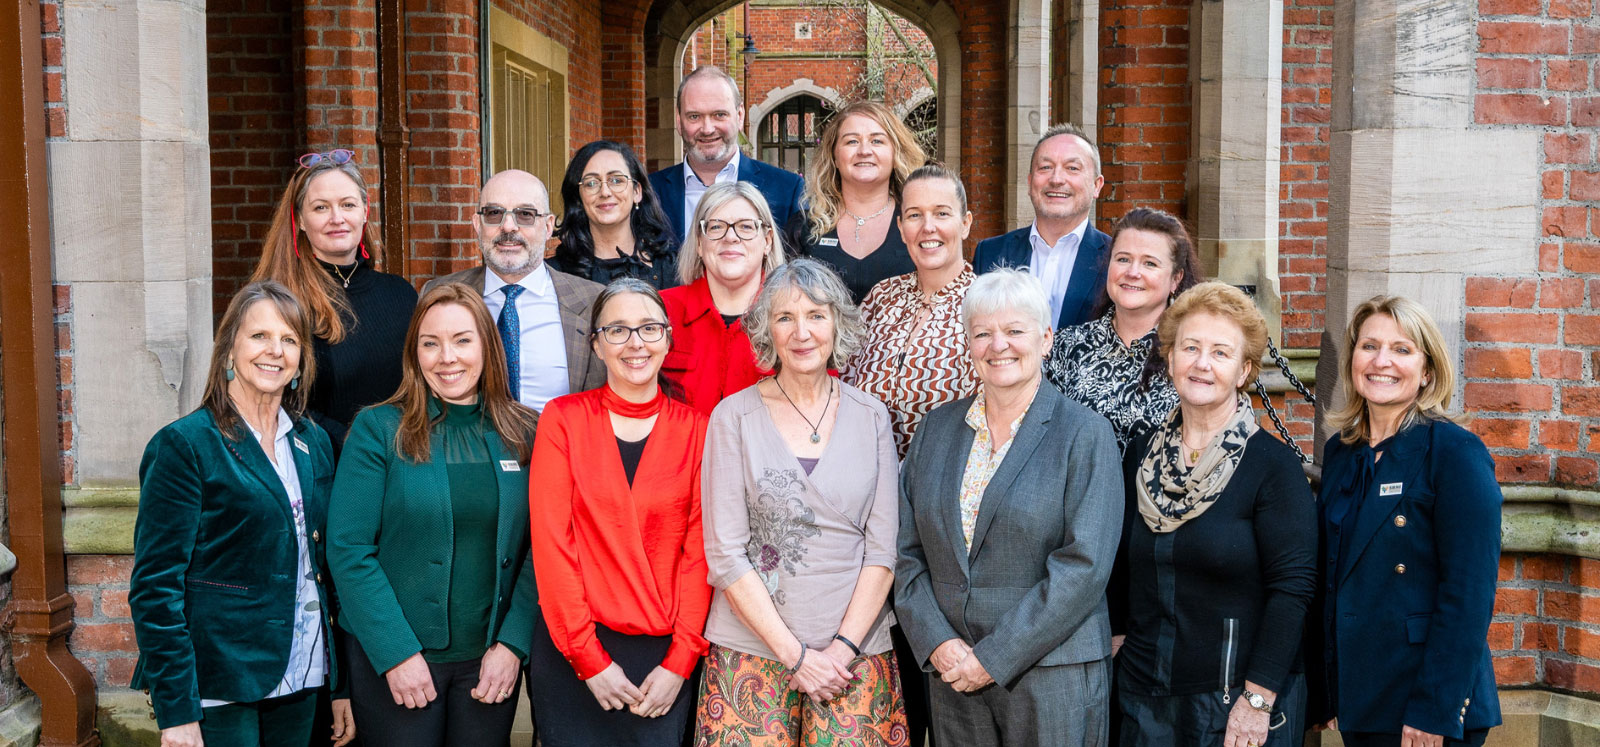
x: 514, y: 246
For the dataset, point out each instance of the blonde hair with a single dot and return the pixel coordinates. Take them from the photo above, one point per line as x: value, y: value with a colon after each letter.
x: 1221, y: 300
x: 1350, y: 418
x: 824, y: 196
x: 690, y: 267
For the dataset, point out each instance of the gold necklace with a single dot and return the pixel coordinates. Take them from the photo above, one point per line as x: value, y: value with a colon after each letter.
x: 344, y: 277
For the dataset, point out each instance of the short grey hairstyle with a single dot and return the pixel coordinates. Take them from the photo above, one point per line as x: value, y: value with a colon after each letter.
x: 1006, y: 289
x: 824, y: 288
x: 709, y: 71
x: 690, y: 268
x: 1067, y: 128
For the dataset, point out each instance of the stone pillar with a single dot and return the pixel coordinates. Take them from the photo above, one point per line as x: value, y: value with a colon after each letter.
x: 1419, y: 198
x: 1235, y: 72
x: 1077, y: 91
x: 1027, y: 100
x: 130, y: 193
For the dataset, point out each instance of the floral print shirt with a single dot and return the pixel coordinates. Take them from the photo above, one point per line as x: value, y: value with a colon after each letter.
x: 1089, y: 363
x: 982, y: 462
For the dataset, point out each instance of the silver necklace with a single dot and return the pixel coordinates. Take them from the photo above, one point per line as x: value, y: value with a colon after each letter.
x: 860, y: 221
x: 815, y: 437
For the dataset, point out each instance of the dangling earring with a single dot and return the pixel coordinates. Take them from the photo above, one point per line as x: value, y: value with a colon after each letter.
x: 227, y: 369
x: 294, y: 383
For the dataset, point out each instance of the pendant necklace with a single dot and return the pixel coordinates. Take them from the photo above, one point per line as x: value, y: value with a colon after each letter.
x: 860, y: 221
x: 344, y: 277
x: 815, y: 437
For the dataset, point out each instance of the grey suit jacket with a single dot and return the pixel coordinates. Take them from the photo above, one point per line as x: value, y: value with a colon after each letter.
x: 1031, y: 591
x: 576, y: 296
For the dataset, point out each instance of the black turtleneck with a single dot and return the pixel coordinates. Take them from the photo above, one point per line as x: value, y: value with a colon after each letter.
x: 364, y: 368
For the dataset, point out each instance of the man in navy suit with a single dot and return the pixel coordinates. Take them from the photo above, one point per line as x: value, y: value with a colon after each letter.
x: 709, y: 121
x: 1061, y: 249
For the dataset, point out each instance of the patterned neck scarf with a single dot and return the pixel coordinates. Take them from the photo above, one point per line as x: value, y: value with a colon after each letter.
x: 1169, y: 495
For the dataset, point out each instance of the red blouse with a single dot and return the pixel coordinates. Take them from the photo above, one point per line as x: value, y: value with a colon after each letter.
x: 709, y: 359
x: 603, y: 552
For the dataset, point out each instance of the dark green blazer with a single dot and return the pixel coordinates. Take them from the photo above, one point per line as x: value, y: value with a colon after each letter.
x: 215, y: 557
x: 390, y: 544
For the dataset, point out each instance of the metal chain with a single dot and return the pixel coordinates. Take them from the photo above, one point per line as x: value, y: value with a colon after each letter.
x: 1283, y: 365
x: 1266, y: 401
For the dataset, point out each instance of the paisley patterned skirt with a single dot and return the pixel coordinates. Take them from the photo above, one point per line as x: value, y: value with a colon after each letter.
x: 746, y: 701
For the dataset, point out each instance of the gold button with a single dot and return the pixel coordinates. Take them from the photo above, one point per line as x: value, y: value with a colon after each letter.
x: 319, y: 578
x: 1468, y: 701
x: 1400, y: 520
x: 1401, y: 568
x: 316, y: 536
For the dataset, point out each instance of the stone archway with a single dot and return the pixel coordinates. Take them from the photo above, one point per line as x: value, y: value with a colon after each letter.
x: 776, y: 96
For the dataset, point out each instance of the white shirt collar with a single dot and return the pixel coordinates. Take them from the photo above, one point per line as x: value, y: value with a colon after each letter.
x: 1067, y: 239
x: 538, y: 282
x: 284, y: 426
x: 728, y: 172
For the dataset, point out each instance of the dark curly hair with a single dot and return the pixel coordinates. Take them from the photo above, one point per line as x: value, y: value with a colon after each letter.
x: 653, y: 236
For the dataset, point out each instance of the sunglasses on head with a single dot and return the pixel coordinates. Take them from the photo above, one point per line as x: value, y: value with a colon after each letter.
x: 337, y: 157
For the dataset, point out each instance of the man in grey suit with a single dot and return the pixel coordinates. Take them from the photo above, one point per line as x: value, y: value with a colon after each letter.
x: 1011, y: 508
x: 545, y: 327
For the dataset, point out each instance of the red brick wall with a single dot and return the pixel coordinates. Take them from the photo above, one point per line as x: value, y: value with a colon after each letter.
x: 103, y: 637
x: 442, y: 73
x: 339, y: 84
x: 1544, y: 630
x: 1533, y: 341
x: 255, y: 131
x: 1304, y: 171
x: 1144, y: 105
x: 983, y: 113
x: 54, y: 95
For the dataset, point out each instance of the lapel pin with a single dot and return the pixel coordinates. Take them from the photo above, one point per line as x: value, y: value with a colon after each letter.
x: 510, y: 465
x: 1390, y: 488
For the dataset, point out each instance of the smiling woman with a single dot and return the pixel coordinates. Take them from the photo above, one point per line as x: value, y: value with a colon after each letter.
x: 613, y: 226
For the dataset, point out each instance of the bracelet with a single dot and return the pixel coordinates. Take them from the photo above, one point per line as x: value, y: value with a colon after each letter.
x: 846, y: 641
x: 801, y: 660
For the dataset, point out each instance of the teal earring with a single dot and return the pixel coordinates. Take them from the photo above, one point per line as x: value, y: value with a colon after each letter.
x: 294, y: 383
x: 228, y: 370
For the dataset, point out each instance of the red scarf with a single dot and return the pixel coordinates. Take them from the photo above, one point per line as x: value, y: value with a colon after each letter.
x: 614, y: 402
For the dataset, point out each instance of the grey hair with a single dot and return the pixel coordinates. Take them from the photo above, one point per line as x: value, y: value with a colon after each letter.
x: 1006, y: 289
x: 1067, y: 128
x: 711, y: 71
x: 690, y: 267
x: 823, y: 287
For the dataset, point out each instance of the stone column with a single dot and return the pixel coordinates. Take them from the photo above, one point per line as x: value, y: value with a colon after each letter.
x: 1410, y: 214
x: 1077, y: 95
x: 1027, y: 100
x: 1235, y: 71
x: 130, y: 193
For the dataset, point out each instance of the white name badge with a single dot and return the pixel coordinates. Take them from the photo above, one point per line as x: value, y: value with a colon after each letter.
x: 1389, y: 488
x: 510, y: 465
x: 301, y: 445
x: 827, y: 241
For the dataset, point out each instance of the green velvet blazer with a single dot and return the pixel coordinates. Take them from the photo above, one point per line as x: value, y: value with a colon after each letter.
x: 390, y: 544
x: 215, y: 556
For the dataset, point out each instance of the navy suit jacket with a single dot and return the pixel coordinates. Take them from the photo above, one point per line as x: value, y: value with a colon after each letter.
x: 1414, y: 599
x: 1088, y: 270
x: 782, y: 188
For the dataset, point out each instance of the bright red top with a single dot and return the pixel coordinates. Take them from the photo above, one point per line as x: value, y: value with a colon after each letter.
x: 709, y: 359
x: 603, y: 552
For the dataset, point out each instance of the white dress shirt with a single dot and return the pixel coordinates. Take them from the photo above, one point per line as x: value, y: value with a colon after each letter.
x: 693, y: 188
x: 308, y: 664
x: 1052, y: 265
x: 543, y: 367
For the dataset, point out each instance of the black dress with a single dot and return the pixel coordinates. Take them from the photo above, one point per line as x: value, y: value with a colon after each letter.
x: 364, y: 368
x: 890, y: 259
x: 661, y: 272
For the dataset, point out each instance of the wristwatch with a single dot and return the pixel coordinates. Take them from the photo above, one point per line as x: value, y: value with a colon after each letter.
x: 1257, y: 701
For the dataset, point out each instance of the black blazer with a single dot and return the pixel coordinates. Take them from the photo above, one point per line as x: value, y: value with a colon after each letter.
x: 1088, y: 270
x: 1414, y: 600
x: 782, y: 188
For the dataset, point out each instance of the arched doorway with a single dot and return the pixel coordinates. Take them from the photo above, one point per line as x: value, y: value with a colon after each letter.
x: 790, y: 131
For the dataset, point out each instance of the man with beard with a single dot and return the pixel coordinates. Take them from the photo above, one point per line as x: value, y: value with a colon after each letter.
x: 1061, y: 249
x: 710, y: 118
x: 545, y: 327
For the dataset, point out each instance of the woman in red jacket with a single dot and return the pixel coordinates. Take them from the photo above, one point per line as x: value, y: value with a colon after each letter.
x: 731, y: 246
x: 614, y: 499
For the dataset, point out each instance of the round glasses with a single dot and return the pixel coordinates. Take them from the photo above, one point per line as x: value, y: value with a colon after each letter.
x: 715, y: 230
x: 617, y: 334
x: 494, y: 215
x: 337, y: 157
x: 616, y: 182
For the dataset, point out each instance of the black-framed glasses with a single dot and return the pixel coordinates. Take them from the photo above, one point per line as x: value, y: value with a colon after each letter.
x: 494, y: 215
x: 337, y: 157
x: 746, y: 230
x: 618, y: 334
x: 617, y: 182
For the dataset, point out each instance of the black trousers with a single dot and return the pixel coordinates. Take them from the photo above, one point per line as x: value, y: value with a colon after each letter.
x: 568, y: 714
x: 1376, y: 739
x: 453, y: 718
x: 265, y: 723
x: 1201, y: 719
x: 914, y: 686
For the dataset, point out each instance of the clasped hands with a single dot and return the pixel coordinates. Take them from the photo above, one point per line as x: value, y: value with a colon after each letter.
x: 822, y: 673
x: 650, y: 699
x: 411, y: 682
x: 959, y: 667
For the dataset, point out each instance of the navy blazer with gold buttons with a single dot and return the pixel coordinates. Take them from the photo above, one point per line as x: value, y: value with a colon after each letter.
x: 1410, y: 607
x: 216, y: 557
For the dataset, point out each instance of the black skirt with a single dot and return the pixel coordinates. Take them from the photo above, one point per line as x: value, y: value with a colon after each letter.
x: 567, y: 714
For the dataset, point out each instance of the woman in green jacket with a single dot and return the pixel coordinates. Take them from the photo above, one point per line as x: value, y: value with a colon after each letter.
x: 229, y: 605
x: 429, y: 537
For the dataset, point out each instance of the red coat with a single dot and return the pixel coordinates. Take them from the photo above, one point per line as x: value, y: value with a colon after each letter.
x: 709, y: 359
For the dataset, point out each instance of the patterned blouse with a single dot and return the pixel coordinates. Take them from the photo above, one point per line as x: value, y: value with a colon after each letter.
x: 1089, y: 363
x: 913, y: 373
x: 983, y: 460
